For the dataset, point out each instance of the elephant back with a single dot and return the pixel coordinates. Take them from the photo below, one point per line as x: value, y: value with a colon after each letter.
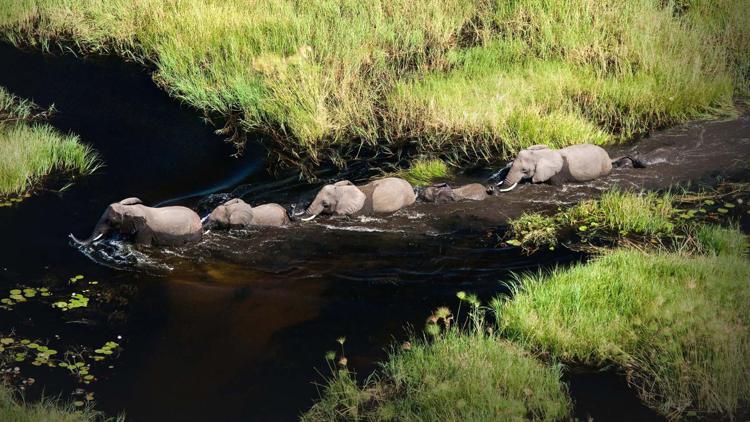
x: 390, y: 194
x: 586, y: 162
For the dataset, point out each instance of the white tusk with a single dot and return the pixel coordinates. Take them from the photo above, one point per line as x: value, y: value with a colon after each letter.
x: 508, y: 189
x: 98, y: 237
x: 203, y: 220
x: 297, y: 214
x: 309, y: 218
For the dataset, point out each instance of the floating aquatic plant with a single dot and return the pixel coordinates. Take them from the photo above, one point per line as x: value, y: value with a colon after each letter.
x: 77, y: 300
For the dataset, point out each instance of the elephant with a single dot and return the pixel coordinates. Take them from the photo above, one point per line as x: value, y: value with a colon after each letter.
x: 165, y: 226
x: 442, y: 193
x: 238, y: 214
x: 576, y: 163
x: 344, y: 198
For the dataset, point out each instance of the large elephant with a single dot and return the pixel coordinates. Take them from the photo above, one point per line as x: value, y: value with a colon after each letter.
x: 576, y: 163
x: 155, y: 226
x: 237, y: 214
x: 344, y: 198
x: 442, y: 193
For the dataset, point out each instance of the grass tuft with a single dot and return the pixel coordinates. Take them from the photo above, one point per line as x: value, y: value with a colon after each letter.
x: 424, y: 172
x: 30, y: 151
x: 677, y: 325
x: 462, y: 374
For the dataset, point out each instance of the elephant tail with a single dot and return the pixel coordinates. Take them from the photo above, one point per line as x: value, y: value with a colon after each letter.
x: 637, y: 163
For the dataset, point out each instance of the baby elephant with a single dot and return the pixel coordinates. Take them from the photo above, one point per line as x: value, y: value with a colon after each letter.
x: 443, y: 193
x: 380, y: 196
x: 576, y: 163
x: 238, y: 214
x: 153, y: 226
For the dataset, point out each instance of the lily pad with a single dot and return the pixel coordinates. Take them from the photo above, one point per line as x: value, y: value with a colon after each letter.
x: 723, y: 210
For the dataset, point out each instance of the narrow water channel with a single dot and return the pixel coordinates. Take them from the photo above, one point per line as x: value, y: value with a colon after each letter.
x: 234, y: 328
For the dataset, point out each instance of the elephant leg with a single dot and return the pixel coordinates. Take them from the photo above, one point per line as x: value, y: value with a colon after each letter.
x: 144, y: 237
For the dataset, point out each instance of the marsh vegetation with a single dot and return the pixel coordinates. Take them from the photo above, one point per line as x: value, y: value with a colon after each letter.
x: 32, y: 150
x: 462, y: 79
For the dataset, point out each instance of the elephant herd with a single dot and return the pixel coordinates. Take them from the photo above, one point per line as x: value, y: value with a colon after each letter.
x: 177, y: 225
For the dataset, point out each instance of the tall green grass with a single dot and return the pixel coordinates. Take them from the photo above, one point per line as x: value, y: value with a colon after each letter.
x: 677, y: 325
x: 31, y: 151
x: 423, y: 172
x: 461, y: 375
x: 463, y: 78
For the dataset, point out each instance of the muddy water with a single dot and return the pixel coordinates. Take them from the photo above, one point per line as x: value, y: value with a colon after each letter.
x: 235, y: 328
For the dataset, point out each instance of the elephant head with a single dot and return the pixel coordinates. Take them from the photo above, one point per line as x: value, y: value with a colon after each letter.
x: 440, y: 193
x: 538, y: 163
x: 126, y: 216
x: 339, y: 198
x: 228, y: 213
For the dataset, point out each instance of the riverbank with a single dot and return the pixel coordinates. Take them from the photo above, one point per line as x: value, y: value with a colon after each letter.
x: 666, y: 308
x: 31, y: 150
x: 459, y: 79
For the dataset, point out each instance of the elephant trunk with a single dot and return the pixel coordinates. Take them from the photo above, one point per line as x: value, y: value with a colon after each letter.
x: 511, y: 180
x: 207, y: 223
x: 99, y: 231
x: 313, y: 210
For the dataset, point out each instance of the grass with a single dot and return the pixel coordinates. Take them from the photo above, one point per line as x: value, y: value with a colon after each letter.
x: 424, y: 172
x: 460, y: 375
x: 13, y: 410
x: 32, y: 151
x: 715, y: 240
x: 617, y: 215
x: 465, y: 79
x: 676, y: 324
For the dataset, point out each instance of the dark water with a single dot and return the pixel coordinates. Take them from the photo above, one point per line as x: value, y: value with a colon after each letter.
x: 233, y: 328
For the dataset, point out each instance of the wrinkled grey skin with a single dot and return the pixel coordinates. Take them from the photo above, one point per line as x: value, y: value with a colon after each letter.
x: 238, y: 214
x: 577, y: 163
x: 343, y: 198
x: 152, y: 226
x: 443, y: 193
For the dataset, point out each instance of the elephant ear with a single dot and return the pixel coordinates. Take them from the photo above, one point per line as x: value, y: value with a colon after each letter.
x: 343, y: 183
x: 549, y: 164
x: 234, y: 201
x: 537, y: 147
x: 131, y: 201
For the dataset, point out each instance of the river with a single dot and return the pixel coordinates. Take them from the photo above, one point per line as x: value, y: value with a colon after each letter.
x: 235, y: 328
